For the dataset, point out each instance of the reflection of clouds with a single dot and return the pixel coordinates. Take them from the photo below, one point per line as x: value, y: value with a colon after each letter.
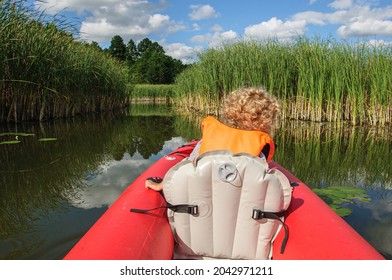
x: 382, y: 207
x: 104, y: 185
x: 172, y: 144
x: 376, y: 226
x: 104, y: 188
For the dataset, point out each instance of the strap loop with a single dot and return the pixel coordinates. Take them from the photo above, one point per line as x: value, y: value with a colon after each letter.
x: 259, y: 215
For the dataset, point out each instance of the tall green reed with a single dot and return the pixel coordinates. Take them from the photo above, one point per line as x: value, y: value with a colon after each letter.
x: 46, y: 73
x: 316, y: 79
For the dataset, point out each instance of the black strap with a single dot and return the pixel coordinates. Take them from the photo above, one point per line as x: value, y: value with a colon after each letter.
x: 259, y: 214
x: 194, y: 210
x: 180, y: 208
x: 155, y: 179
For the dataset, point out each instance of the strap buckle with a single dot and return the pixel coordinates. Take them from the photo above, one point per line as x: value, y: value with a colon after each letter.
x: 258, y: 214
x: 185, y: 208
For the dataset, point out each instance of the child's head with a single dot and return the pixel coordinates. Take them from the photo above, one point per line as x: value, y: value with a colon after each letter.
x: 251, y: 109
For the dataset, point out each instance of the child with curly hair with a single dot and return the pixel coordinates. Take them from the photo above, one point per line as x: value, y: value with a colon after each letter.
x: 248, y: 119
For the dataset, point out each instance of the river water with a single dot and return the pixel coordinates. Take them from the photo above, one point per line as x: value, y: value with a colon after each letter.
x: 57, y: 178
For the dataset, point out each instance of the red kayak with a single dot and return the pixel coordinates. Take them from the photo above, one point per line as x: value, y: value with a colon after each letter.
x: 316, y: 231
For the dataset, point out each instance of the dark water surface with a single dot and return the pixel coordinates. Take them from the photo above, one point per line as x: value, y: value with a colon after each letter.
x: 53, y: 190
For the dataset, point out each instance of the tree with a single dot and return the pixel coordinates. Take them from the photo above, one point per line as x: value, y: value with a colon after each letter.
x: 131, y: 54
x: 117, y: 48
x: 148, y: 63
x: 143, y: 46
x: 95, y: 45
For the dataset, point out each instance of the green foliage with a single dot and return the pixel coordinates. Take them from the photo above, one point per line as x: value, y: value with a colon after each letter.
x: 131, y: 54
x: 317, y: 80
x: 337, y: 196
x: 46, y: 74
x: 147, y: 61
x: 47, y: 139
x: 152, y: 91
x: 10, y: 142
x: 117, y: 48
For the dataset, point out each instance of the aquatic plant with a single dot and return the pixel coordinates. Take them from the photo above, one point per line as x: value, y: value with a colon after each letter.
x: 338, y: 196
x: 316, y: 79
x: 45, y: 73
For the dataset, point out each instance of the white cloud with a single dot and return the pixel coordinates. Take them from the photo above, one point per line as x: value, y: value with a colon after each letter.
x: 180, y: 51
x: 196, y: 27
x: 134, y: 19
x: 217, y: 28
x: 311, y: 17
x: 360, y: 27
x: 355, y: 19
x: 55, y: 6
x: 341, y: 4
x: 216, y: 38
x: 200, y: 12
x: 276, y: 28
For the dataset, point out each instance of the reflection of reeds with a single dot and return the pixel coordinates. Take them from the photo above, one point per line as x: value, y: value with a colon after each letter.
x: 46, y: 74
x: 39, y: 177
x: 323, y: 155
x: 317, y: 80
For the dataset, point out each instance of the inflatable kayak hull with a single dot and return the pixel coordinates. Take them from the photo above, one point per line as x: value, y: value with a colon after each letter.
x: 316, y: 232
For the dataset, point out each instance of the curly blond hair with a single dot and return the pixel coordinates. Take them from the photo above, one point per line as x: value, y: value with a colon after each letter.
x: 251, y: 109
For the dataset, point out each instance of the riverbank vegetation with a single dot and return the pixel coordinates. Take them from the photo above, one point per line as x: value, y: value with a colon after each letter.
x: 152, y: 93
x: 46, y: 74
x: 317, y: 80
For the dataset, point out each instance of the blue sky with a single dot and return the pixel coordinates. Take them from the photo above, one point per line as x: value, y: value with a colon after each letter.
x: 184, y: 27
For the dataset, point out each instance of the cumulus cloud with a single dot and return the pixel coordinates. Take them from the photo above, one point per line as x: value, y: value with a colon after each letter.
x: 276, y: 28
x: 354, y: 19
x: 134, y: 19
x: 365, y: 27
x: 200, y: 12
x: 180, y: 51
x: 217, y: 38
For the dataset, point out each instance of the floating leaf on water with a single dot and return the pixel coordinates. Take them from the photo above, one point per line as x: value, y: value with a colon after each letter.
x: 335, y: 196
x: 9, y: 142
x: 17, y: 134
x: 47, y: 139
x: 343, y: 211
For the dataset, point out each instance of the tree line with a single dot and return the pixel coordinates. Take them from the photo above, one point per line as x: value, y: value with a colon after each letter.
x: 146, y: 60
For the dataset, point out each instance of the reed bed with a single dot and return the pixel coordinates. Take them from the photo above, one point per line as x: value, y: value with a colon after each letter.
x: 316, y: 79
x: 46, y: 74
x: 150, y: 92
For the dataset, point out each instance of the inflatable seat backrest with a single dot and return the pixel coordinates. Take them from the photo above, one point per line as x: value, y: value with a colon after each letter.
x: 228, y: 189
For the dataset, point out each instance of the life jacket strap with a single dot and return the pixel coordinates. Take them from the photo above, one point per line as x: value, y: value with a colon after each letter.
x: 259, y: 215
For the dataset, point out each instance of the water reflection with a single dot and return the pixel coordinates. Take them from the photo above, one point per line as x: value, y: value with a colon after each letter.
x: 323, y: 156
x: 105, y: 185
x: 43, y: 184
x: 52, y: 192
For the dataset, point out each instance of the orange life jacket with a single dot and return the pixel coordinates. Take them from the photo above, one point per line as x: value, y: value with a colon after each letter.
x: 218, y: 136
